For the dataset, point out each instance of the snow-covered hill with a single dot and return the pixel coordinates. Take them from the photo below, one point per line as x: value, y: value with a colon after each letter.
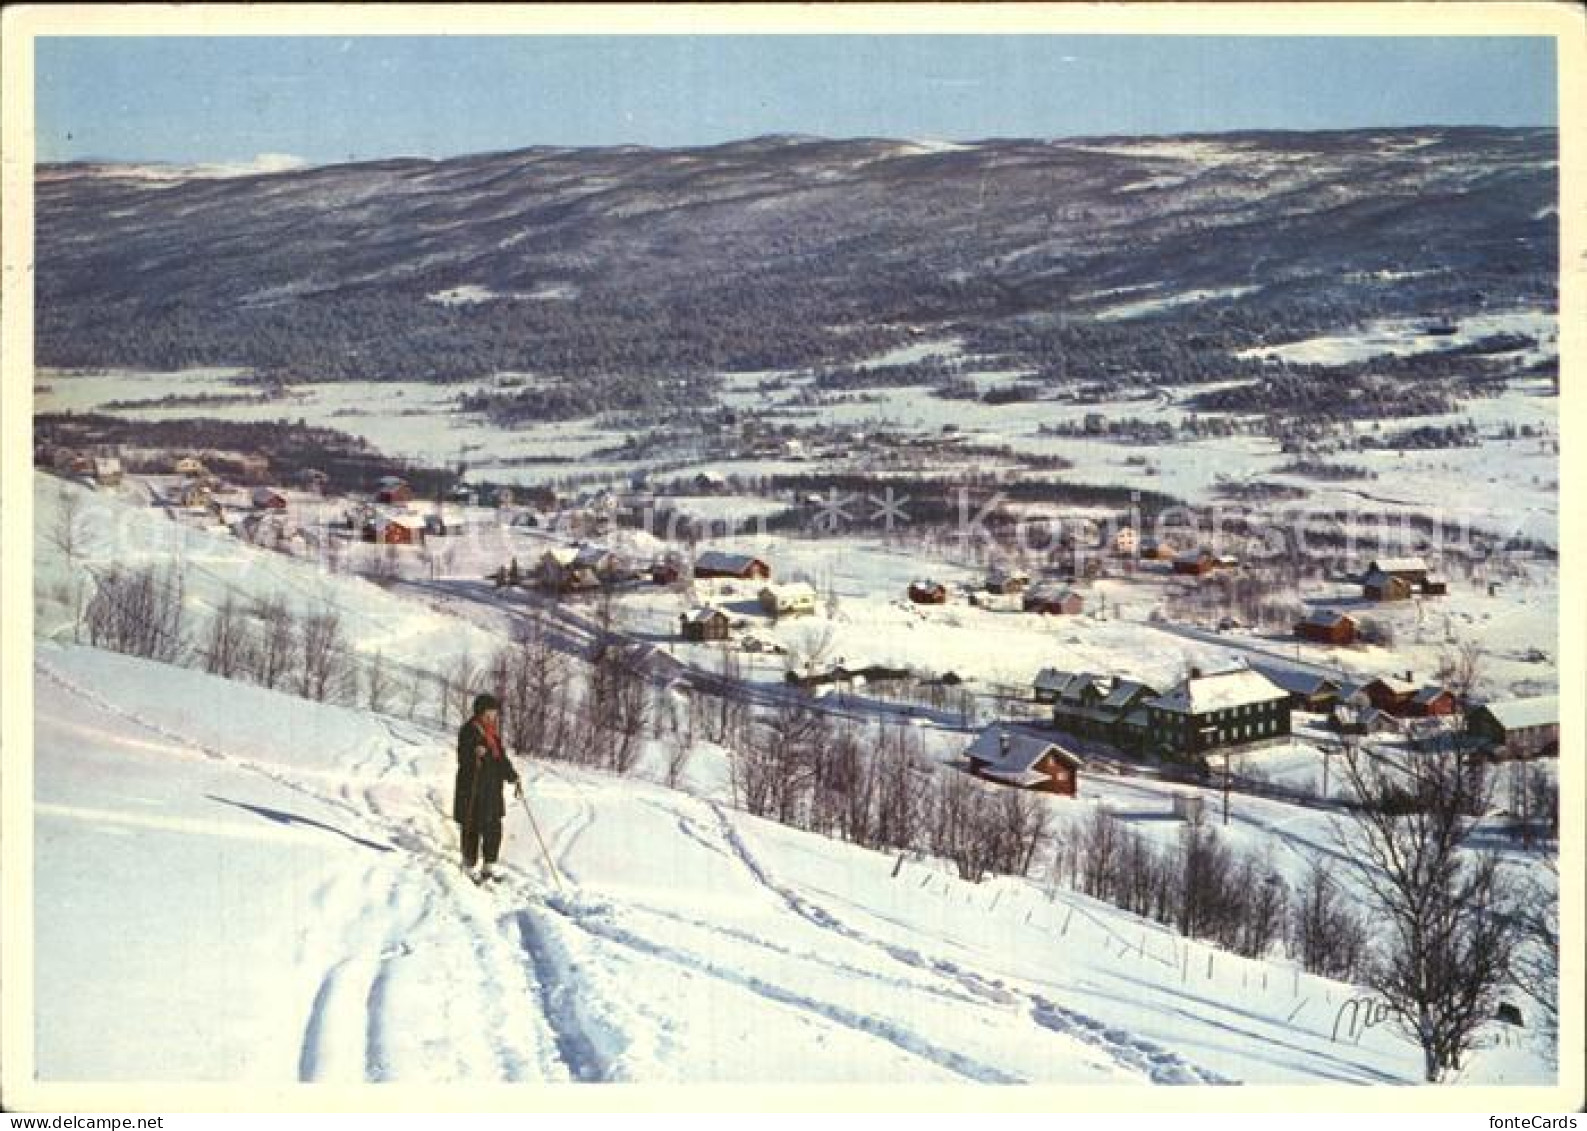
x: 236, y: 885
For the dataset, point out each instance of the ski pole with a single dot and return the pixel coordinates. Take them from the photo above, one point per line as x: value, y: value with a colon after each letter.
x: 550, y: 866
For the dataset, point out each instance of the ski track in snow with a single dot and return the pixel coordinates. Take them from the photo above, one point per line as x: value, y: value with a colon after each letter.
x: 573, y: 1029
x: 1136, y: 1054
x: 348, y: 1010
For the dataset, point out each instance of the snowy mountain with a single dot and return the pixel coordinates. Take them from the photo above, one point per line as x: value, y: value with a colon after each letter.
x: 786, y: 251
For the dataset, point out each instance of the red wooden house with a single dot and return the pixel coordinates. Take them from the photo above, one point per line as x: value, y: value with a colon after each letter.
x: 1433, y: 702
x: 1024, y: 762
x: 1391, y: 696
x: 928, y: 592
x: 1327, y: 627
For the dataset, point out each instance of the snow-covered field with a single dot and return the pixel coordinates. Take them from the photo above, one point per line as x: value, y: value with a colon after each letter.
x: 281, y: 881
x: 1400, y: 336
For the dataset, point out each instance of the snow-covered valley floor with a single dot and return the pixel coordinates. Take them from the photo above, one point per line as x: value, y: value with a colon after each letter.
x: 235, y: 885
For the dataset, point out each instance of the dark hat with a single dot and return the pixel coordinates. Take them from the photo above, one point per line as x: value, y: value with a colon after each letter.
x: 486, y: 702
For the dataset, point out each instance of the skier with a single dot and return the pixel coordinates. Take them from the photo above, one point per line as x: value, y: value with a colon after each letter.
x: 482, y: 768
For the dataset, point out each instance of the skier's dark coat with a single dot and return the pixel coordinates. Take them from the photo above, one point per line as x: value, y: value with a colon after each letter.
x: 492, y: 773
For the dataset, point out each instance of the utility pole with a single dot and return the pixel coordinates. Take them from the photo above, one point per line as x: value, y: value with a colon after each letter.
x: 1225, y: 786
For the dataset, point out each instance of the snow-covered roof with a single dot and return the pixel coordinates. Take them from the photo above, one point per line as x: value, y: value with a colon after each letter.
x: 1394, y: 686
x: 1123, y: 691
x: 392, y: 481
x: 1378, y: 579
x: 1053, y: 679
x: 1397, y: 565
x: 1083, y: 680
x: 1051, y: 591
x: 702, y: 614
x: 591, y: 555
x: 1522, y: 714
x: 1295, y: 681
x: 1429, y: 693
x: 1008, y: 752
x: 562, y: 555
x: 792, y: 593
x: 1219, y: 691
x: 1327, y: 618
x: 725, y: 560
x: 406, y: 521
x: 1191, y: 557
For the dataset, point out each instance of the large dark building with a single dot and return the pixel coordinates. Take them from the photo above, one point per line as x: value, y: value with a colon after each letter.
x: 1207, y: 711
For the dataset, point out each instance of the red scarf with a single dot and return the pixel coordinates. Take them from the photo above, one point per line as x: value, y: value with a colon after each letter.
x: 492, y: 739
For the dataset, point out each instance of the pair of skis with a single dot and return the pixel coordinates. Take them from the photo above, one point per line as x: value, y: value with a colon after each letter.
x: 484, y: 877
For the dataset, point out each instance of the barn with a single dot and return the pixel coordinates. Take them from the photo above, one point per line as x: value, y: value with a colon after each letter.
x: 1326, y: 626
x: 1024, y: 762
x: 722, y: 563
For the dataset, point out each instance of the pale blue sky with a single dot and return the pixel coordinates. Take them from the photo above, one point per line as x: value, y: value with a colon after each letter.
x: 330, y: 99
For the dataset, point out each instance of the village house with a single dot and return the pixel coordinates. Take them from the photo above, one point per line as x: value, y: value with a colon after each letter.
x: 1326, y: 626
x: 1517, y: 728
x: 1006, y: 582
x: 1195, y: 563
x: 667, y: 571
x: 1390, y: 695
x: 1397, y: 579
x: 704, y: 623
x: 188, y: 465
x: 723, y: 564
x: 188, y: 493
x: 1049, y: 682
x: 1110, y: 708
x: 1024, y: 761
x: 1307, y: 691
x: 928, y: 592
x: 1377, y: 586
x: 1433, y: 702
x: 393, y: 489
x: 568, y: 568
x: 264, y: 498
x: 107, y: 471
x: 797, y: 598
x: 1212, y: 710
x: 1155, y: 549
x: 1125, y: 541
x: 394, y: 530
x: 1054, y: 600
